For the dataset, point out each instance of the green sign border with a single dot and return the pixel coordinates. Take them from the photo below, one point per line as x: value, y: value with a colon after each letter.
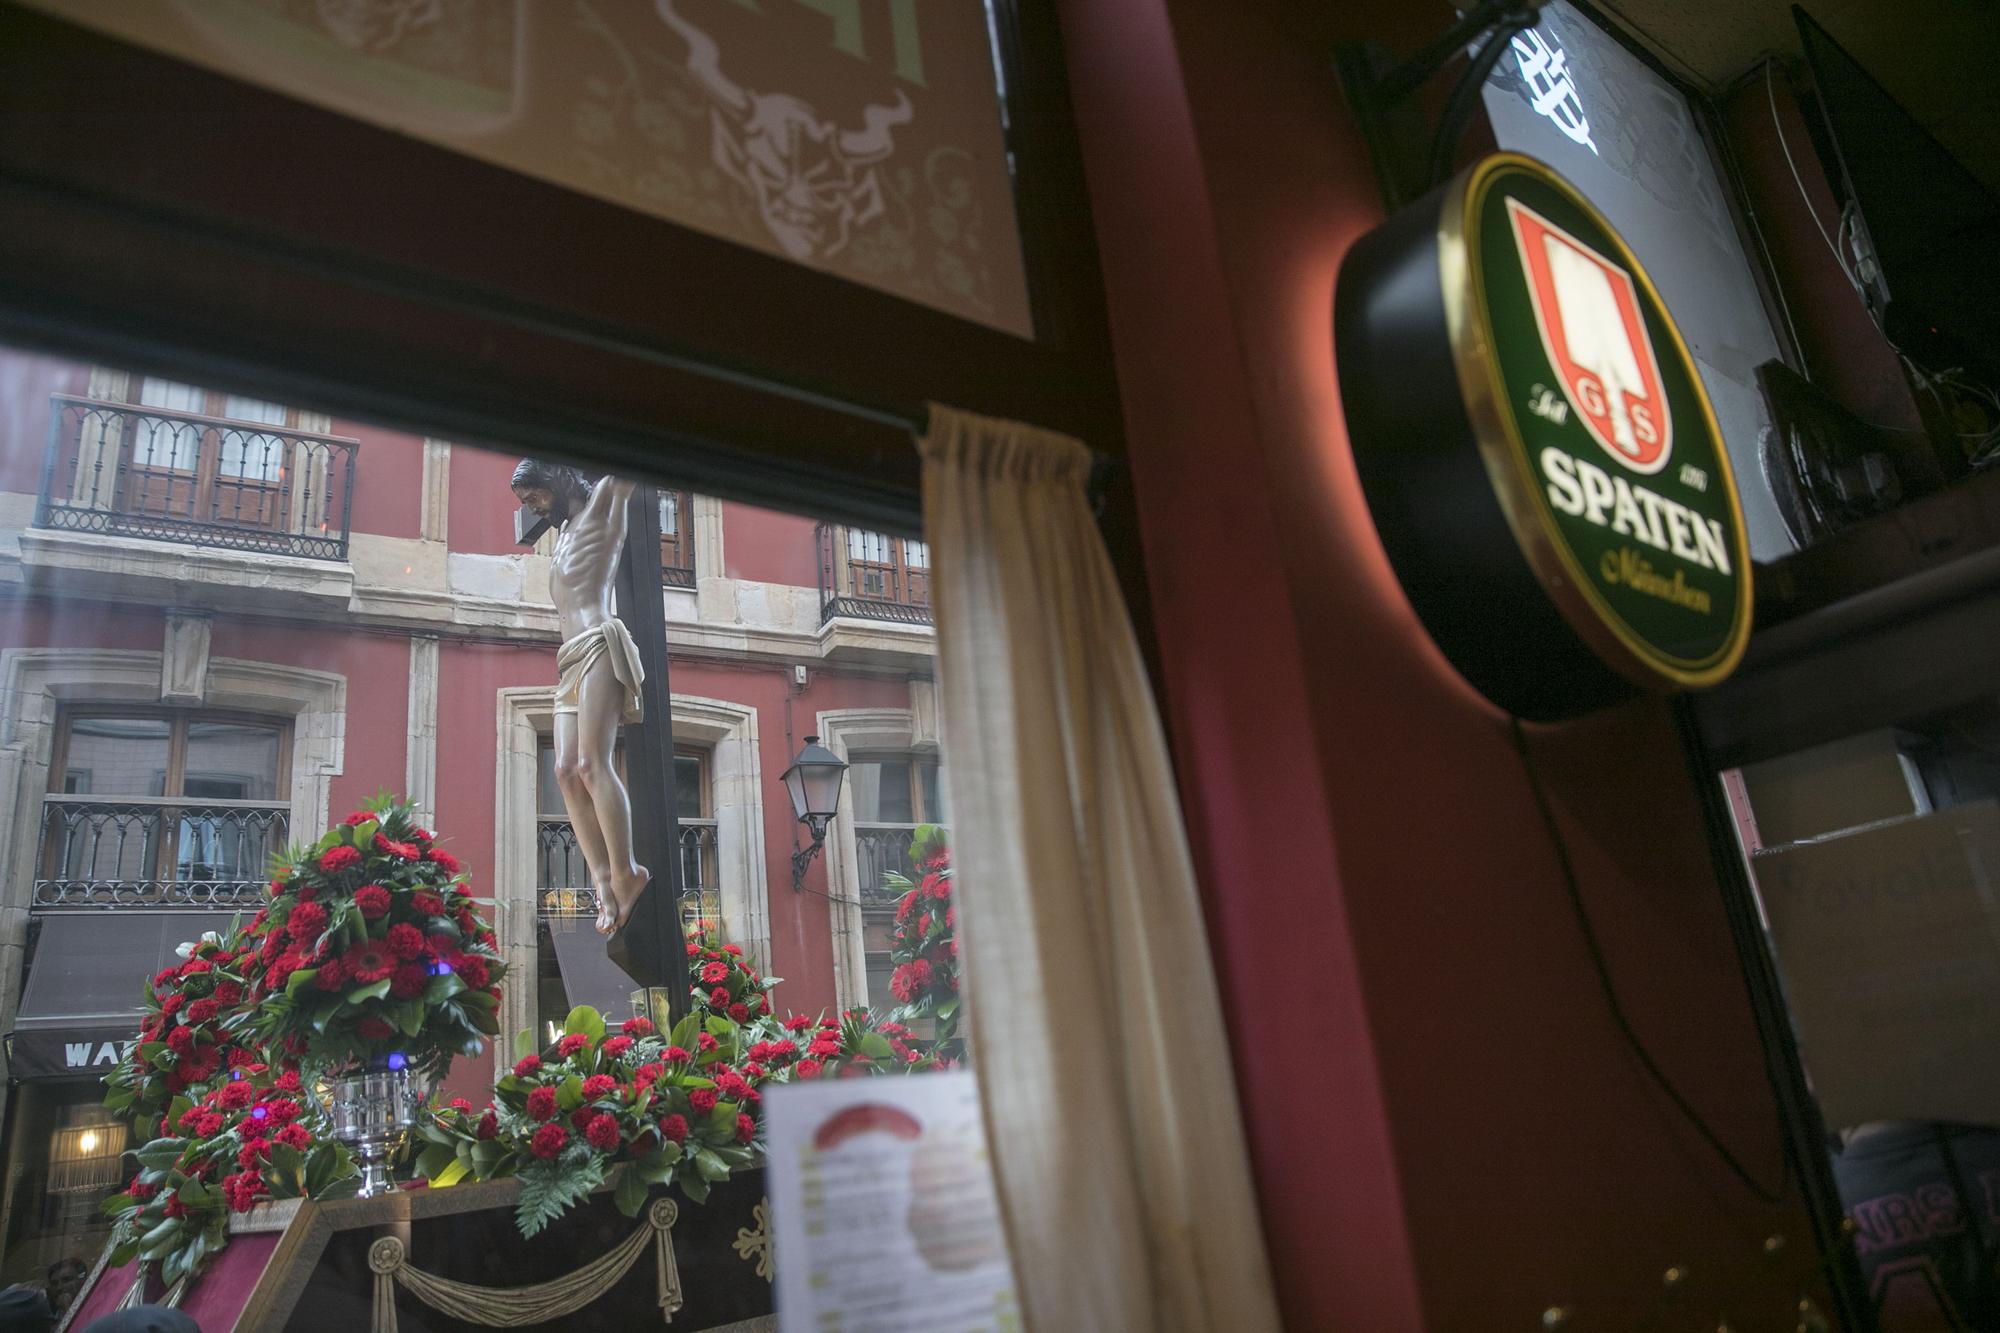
x: 1497, y: 429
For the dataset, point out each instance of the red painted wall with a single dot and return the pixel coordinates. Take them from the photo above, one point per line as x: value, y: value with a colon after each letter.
x: 1463, y: 1141
x: 480, y: 516
x: 768, y: 547
x: 388, y: 480
x: 26, y: 381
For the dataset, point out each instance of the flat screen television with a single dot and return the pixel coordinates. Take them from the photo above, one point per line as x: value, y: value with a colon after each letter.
x: 1931, y: 228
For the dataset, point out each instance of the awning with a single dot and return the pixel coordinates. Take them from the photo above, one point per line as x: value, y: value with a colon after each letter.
x: 589, y: 976
x: 86, y: 987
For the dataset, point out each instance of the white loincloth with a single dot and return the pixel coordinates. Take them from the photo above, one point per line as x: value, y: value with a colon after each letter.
x: 574, y: 660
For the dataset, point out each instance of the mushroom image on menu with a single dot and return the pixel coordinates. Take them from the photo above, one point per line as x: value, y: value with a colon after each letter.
x: 952, y: 1219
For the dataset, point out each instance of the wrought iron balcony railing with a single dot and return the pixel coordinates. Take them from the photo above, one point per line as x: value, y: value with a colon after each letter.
x: 881, y: 849
x: 872, y: 575
x: 174, y: 476
x: 563, y: 880
x: 156, y: 852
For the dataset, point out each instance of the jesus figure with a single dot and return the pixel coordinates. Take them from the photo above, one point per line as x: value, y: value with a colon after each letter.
x: 598, y: 674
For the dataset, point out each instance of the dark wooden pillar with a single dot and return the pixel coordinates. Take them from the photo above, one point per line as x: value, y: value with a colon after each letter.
x: 652, y: 948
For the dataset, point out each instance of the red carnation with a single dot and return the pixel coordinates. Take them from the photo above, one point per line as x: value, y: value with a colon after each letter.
x: 408, y: 981
x: 719, y: 997
x: 527, y: 1065
x: 236, y: 1095
x: 580, y: 1118
x: 338, y: 859
x: 443, y: 860
x: 616, y: 1046
x: 733, y: 950
x: 405, y: 940
x: 603, y: 1133
x: 201, y: 1011
x: 675, y: 1053
x: 648, y: 1074
x: 937, y: 886
x: 548, y: 1141
x: 207, y: 1125
x: 711, y: 973
x: 229, y: 993
x: 472, y: 971
x: 542, y: 1103
x: 489, y: 1126
x: 180, y: 1041
x: 703, y: 1100
x: 390, y: 847
x: 597, y: 1085
x: 357, y: 817
x: 370, y: 961
x: 373, y: 900
x: 278, y: 886
x: 829, y: 1021
x: 674, y: 1129
x: 705, y: 1041
x: 904, y: 908
x: 289, y: 1081
x: 693, y: 949
x: 740, y: 1012
x: 283, y: 1109
x: 797, y: 1023
x: 746, y: 1129
x: 306, y: 922
x: 172, y: 1004
x: 294, y: 1135
x: 252, y: 1153
x: 734, y: 1086
x: 571, y: 1044
x: 174, y: 1207
x: 423, y: 900
x: 809, y: 1068
x: 375, y: 1028
x: 824, y: 1046
x: 332, y: 974
x: 139, y: 1190
x: 637, y: 1027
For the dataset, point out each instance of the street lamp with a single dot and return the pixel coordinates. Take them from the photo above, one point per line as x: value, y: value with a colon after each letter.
x: 814, y: 783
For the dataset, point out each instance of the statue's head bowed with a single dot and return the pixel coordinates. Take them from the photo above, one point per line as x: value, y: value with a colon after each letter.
x: 553, y: 490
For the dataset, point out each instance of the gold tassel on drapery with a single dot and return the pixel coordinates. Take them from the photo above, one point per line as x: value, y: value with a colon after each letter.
x: 510, y: 1307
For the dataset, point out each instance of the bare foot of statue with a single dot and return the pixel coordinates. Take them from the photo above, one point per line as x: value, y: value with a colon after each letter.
x: 615, y: 900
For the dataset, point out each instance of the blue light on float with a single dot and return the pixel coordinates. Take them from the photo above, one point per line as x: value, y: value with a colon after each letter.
x: 260, y: 1113
x: 440, y: 968
x: 397, y: 1060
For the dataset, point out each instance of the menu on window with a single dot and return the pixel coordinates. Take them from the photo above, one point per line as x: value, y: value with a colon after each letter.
x: 884, y: 1214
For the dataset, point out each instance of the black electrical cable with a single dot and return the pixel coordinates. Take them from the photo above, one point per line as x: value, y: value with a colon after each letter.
x: 1611, y: 1000
x: 1465, y: 93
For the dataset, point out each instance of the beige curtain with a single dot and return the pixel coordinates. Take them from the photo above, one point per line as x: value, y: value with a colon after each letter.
x: 1103, y: 1060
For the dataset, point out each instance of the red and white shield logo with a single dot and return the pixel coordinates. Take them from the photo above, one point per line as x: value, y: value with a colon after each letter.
x: 1587, y: 309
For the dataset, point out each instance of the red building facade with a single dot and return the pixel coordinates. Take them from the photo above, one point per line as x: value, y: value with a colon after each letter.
x: 229, y: 622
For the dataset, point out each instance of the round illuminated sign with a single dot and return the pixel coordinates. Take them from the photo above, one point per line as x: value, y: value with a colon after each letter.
x: 1538, y: 451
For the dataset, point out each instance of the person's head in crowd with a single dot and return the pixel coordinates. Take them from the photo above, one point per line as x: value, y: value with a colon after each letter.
x: 25, y: 1309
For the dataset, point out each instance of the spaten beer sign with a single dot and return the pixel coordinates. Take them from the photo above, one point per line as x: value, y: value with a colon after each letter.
x: 1538, y: 452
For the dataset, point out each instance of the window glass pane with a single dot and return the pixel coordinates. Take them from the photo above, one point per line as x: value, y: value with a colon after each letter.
x: 117, y: 756
x: 917, y: 555
x: 933, y: 802
x: 881, y: 791
x: 235, y: 761
x: 670, y: 513
x: 688, y: 795
x: 170, y: 394
x: 548, y: 796
x: 237, y: 408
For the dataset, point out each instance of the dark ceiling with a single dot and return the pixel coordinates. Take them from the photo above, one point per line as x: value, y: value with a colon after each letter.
x: 1937, y: 57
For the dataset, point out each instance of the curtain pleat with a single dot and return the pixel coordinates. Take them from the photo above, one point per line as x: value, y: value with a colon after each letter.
x: 1103, y: 1059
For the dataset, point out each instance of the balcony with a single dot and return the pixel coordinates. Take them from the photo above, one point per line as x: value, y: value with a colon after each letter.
x: 879, y: 850
x: 872, y: 575
x: 154, y: 853
x: 164, y: 475
x: 562, y: 879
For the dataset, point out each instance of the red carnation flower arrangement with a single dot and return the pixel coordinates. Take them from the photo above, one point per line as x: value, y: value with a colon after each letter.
x: 371, y: 947
x: 187, y: 1040
x: 923, y: 944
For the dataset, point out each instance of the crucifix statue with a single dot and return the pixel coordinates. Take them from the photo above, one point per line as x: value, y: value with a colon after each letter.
x: 599, y: 674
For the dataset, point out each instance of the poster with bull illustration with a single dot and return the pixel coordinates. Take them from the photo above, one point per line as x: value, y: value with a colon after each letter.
x: 858, y: 137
